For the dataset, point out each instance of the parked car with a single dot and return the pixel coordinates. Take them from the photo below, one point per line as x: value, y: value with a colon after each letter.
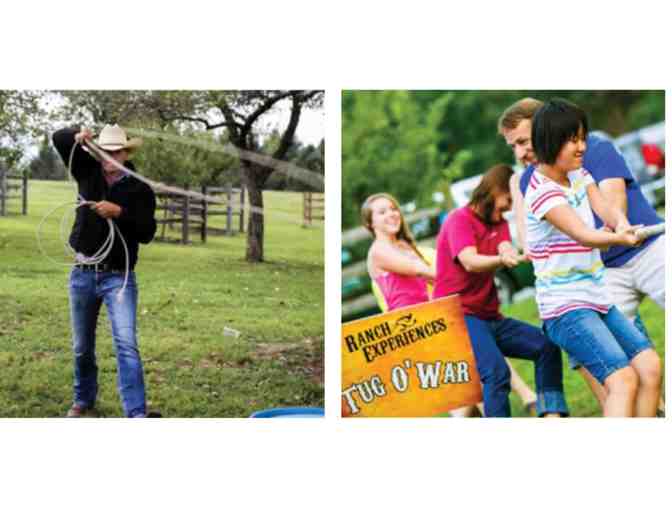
x: 644, y: 151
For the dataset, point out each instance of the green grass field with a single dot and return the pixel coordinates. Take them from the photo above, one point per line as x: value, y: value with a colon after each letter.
x: 188, y: 295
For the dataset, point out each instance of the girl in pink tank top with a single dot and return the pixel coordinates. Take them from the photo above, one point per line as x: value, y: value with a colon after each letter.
x: 400, y: 290
x: 394, y: 261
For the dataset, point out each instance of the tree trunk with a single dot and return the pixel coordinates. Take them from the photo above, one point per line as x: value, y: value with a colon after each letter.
x: 255, y: 222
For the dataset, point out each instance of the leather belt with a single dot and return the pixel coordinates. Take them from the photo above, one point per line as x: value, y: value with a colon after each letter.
x: 99, y: 268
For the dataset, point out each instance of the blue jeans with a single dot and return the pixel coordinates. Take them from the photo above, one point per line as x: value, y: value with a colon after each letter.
x: 88, y: 290
x: 602, y: 343
x: 639, y: 324
x: 492, y: 340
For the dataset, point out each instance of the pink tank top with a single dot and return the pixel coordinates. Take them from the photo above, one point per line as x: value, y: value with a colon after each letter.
x: 399, y: 290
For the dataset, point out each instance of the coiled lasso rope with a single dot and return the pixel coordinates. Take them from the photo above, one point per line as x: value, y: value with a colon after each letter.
x: 79, y: 258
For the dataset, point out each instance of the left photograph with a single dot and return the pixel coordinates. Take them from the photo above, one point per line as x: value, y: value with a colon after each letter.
x: 162, y: 253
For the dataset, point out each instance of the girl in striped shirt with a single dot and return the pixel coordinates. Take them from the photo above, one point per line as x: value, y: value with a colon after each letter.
x: 564, y: 248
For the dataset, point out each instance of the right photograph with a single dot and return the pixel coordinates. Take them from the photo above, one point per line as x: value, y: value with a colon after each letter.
x: 503, y: 253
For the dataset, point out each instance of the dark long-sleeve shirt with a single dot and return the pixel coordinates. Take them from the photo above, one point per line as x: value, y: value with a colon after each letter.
x: 136, y: 199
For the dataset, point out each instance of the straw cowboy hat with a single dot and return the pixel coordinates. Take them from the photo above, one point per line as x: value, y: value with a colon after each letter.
x: 113, y: 138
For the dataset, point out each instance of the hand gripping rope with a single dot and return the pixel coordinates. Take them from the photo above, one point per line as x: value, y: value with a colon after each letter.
x: 651, y: 230
x: 105, y: 248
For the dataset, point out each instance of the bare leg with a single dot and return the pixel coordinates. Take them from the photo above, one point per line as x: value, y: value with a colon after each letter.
x: 621, y: 387
x: 594, y: 385
x: 647, y: 366
x: 521, y: 389
x: 464, y: 412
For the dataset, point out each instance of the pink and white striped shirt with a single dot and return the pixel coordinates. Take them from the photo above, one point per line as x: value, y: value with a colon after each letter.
x: 569, y: 275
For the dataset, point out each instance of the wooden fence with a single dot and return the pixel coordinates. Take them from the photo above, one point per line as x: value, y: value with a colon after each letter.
x: 10, y: 183
x: 313, y: 207
x: 192, y: 215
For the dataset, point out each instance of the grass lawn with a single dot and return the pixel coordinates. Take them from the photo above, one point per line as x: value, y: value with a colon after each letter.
x: 579, y: 398
x: 188, y: 295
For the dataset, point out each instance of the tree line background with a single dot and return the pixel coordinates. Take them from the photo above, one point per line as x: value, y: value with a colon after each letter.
x: 413, y: 143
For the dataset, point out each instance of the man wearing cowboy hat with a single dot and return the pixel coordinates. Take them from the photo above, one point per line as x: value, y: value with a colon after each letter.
x: 130, y: 204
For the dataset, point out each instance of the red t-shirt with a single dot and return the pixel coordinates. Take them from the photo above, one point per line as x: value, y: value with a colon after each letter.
x: 463, y: 228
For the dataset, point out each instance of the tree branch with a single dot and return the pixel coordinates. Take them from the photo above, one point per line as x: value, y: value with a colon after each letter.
x: 265, y: 106
x: 168, y: 118
x: 290, y: 130
x: 235, y: 129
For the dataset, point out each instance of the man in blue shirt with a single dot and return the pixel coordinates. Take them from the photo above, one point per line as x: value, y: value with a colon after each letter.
x: 631, y: 273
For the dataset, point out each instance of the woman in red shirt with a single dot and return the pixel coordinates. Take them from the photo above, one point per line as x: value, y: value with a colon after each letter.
x: 473, y: 243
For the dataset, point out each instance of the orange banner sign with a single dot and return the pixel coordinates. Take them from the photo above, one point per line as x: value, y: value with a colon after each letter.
x: 412, y: 362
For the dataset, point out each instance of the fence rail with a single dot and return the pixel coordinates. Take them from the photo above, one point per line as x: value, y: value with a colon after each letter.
x: 313, y: 207
x: 192, y: 215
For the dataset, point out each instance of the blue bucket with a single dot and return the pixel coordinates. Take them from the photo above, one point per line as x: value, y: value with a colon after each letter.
x: 290, y: 412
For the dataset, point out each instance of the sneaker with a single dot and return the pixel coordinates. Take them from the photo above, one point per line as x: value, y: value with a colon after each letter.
x: 77, y: 411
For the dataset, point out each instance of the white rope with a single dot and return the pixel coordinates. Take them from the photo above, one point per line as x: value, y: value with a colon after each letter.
x: 651, y: 230
x: 79, y: 258
x: 311, y: 178
x: 100, y: 155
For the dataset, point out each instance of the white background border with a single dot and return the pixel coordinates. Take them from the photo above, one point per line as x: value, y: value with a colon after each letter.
x: 353, y: 463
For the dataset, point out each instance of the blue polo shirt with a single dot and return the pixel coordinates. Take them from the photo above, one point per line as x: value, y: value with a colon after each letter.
x: 603, y: 161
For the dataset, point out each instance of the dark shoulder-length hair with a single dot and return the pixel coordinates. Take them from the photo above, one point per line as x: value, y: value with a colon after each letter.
x: 483, y: 198
x: 554, y: 124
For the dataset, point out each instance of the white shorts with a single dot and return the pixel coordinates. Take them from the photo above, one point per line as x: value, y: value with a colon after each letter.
x: 643, y: 275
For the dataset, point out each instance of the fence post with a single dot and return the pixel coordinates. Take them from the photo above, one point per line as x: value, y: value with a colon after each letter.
x: 307, y: 209
x: 204, y: 215
x: 3, y: 192
x: 242, y: 208
x: 229, y: 210
x: 24, y: 197
x: 185, y: 218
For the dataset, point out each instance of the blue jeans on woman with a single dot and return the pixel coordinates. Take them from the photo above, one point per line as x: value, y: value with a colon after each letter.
x: 88, y: 290
x: 601, y: 343
x: 492, y: 340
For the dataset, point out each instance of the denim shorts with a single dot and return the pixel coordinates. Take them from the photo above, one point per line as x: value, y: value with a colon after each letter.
x: 574, y: 365
x: 602, y: 343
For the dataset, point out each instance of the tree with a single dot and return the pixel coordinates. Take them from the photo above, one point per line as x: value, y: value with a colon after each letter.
x: 20, y: 111
x: 163, y: 160
x: 240, y: 113
x: 99, y: 107
x: 47, y: 164
x: 389, y: 144
x: 308, y: 156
